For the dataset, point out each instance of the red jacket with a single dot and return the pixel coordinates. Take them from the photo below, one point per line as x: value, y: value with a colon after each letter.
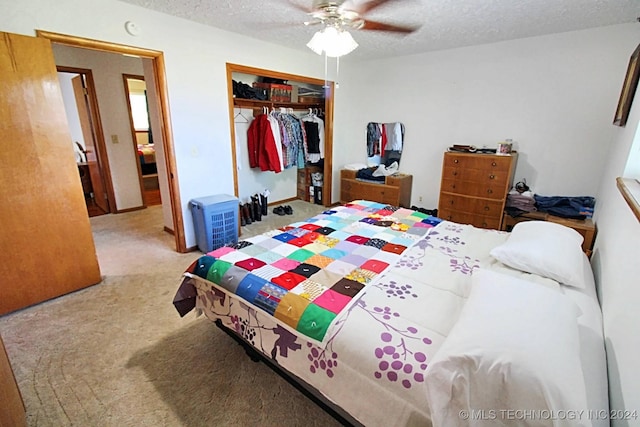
x: 262, y: 145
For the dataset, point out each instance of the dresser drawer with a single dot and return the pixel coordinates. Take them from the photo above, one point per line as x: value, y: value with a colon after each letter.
x: 380, y: 193
x: 476, y: 206
x: 347, y: 194
x: 459, y: 173
x: 480, y: 161
x: 467, y: 218
x: 468, y: 188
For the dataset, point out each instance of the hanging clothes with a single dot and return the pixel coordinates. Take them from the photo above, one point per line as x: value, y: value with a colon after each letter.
x: 314, y: 128
x: 261, y: 144
x: 395, y: 136
x: 275, y: 130
x: 374, y: 135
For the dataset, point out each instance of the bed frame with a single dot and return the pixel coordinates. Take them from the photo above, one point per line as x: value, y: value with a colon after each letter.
x: 305, y: 388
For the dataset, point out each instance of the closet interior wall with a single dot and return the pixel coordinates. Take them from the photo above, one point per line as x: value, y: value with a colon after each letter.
x: 293, y: 182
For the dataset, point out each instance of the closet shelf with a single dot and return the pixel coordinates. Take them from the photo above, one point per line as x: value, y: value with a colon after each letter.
x: 256, y: 103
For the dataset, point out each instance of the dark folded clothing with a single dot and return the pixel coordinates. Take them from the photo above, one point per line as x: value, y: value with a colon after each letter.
x: 367, y: 174
x: 565, y: 207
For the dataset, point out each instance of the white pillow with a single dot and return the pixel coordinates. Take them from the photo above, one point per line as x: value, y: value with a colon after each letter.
x: 544, y: 248
x: 515, y: 346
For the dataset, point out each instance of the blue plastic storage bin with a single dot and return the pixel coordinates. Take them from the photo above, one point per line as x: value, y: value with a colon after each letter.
x: 215, y: 221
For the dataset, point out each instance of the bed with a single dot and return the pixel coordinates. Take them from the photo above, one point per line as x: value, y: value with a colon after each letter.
x: 388, y: 316
x: 147, y: 156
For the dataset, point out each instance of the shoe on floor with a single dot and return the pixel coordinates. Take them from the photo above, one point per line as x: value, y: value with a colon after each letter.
x: 279, y: 210
x: 288, y: 210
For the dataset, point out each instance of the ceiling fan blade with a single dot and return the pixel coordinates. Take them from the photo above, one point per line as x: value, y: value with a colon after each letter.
x: 380, y: 26
x: 300, y: 7
x: 373, y: 4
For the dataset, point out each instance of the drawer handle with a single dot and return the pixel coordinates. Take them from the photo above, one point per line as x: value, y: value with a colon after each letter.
x: 494, y: 164
x: 492, y: 176
x: 486, y: 208
x: 489, y: 191
x: 455, y: 161
x: 451, y: 202
x: 484, y: 224
x: 450, y: 217
x: 455, y: 173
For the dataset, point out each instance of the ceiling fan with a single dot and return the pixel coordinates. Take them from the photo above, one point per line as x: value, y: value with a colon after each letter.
x: 346, y: 15
x: 337, y: 17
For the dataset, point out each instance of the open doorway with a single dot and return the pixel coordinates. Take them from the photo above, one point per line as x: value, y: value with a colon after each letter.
x: 142, y: 134
x: 78, y: 92
x: 154, y: 68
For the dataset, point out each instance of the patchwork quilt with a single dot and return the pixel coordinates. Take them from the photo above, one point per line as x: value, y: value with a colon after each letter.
x: 306, y: 274
x: 374, y: 355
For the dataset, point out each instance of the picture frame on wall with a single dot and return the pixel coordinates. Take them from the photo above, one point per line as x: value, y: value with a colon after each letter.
x: 628, y: 89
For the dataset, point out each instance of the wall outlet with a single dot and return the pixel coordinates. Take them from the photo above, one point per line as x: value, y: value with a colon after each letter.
x: 114, y: 139
x: 420, y: 199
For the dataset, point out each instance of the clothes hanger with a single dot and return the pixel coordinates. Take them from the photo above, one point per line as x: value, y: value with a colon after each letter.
x: 242, y: 116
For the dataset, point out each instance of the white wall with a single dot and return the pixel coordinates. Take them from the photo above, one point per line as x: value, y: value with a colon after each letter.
x: 107, y: 69
x: 614, y: 260
x: 555, y: 96
x: 71, y: 109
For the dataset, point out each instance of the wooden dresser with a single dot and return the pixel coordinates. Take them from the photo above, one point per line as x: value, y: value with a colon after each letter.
x: 474, y: 188
x: 395, y: 191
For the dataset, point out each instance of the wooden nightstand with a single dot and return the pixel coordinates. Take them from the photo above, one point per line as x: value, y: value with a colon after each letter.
x: 586, y: 227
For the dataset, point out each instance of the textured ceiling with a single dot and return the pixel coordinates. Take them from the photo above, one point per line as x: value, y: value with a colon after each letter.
x: 444, y: 24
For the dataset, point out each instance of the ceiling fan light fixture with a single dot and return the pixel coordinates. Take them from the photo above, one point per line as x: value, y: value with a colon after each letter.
x: 332, y: 41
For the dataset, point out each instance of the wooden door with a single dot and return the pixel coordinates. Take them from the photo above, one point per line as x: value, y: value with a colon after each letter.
x: 81, y: 95
x: 46, y: 245
x: 12, y: 411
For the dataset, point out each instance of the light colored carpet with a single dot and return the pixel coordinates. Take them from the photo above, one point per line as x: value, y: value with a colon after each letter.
x: 118, y: 353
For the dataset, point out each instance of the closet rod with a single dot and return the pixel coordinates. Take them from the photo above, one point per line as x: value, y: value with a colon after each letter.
x: 316, y: 109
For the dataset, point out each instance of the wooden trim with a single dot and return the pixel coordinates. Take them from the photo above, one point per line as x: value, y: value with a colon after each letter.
x: 327, y: 183
x: 328, y: 122
x: 257, y: 104
x: 93, y: 44
x: 234, y: 162
x: 162, y: 90
x: 168, y: 230
x: 630, y: 190
x: 13, y: 412
x: 169, y: 156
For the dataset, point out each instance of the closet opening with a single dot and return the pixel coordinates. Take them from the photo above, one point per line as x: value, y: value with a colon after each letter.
x: 299, y: 113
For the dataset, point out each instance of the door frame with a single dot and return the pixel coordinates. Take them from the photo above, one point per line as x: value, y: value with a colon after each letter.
x: 157, y: 58
x: 96, y: 124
